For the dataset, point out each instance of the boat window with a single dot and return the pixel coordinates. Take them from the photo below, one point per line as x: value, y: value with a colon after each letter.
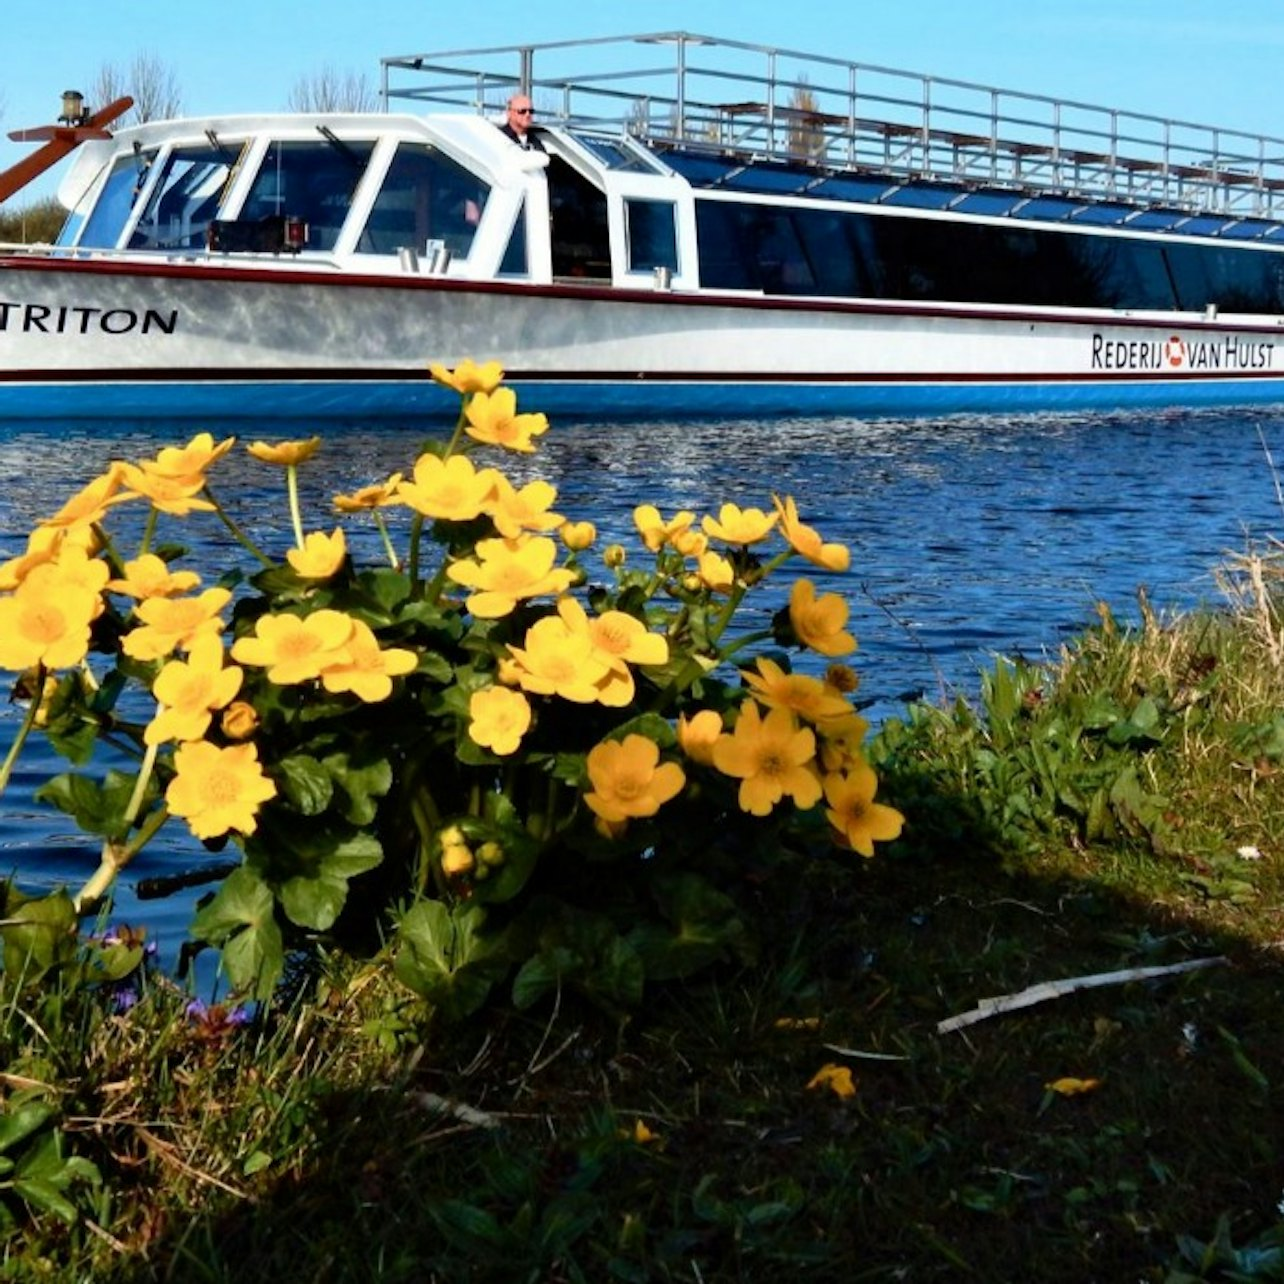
x: 652, y: 235
x: 581, y: 242
x: 111, y: 211
x: 1235, y: 280
x: 425, y: 197
x: 616, y: 154
x: 514, y: 261
x: 309, y: 181
x: 184, y: 199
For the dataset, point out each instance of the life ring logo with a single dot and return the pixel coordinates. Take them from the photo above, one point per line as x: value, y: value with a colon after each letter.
x: 1175, y: 351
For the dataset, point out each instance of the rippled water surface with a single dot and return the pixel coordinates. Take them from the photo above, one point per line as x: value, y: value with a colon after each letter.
x: 969, y: 535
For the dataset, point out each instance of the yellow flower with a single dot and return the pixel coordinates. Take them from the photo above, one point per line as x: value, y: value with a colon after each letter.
x: 619, y: 639
x: 79, y: 573
x: 450, y: 489
x: 514, y: 511
x: 240, y: 720
x: 818, y: 621
x: 697, y: 737
x: 364, y: 668
x: 507, y: 572
x: 614, y: 556
x: 468, y: 377
x: 380, y: 495
x: 557, y: 660
x: 838, y: 1079
x: 842, y: 678
x: 499, y: 719
x: 321, y: 555
x: 289, y: 454
x: 807, y: 542
x: 577, y: 536
x: 187, y: 463
x: 715, y: 573
x: 859, y: 822
x: 173, y: 623
x: 46, y: 620
x: 690, y: 543
x: 655, y: 531
x: 216, y: 790
x: 295, y: 649
x: 177, y: 496
x: 46, y: 544
x: 840, y: 741
x: 456, y: 857
x: 150, y: 576
x: 493, y: 419
x: 772, y: 757
x: 190, y: 691
x: 808, y: 697
x: 1072, y: 1087
x: 736, y: 525
x: 629, y: 780
x: 90, y: 503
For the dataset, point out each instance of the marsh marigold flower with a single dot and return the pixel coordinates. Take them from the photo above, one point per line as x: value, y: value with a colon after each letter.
x: 841, y: 740
x: 378, y: 495
x: 698, y: 735
x: 507, y: 572
x: 499, y: 718
x: 321, y: 555
x: 577, y: 536
x: 190, y: 691
x: 449, y: 489
x: 216, y: 790
x: 558, y: 660
x: 89, y: 504
x: 47, y: 544
x: 772, y: 757
x: 296, y: 648
x: 468, y: 376
x: 806, y: 541
x: 46, y: 620
x: 736, y: 525
x: 818, y: 621
x: 620, y: 639
x: 655, y: 531
x: 858, y: 821
x: 629, y: 780
x: 715, y: 573
x: 150, y: 576
x: 838, y: 1079
x: 190, y: 462
x: 806, y: 696
x: 240, y: 720
x: 364, y: 668
x: 493, y: 419
x: 289, y: 454
x: 527, y: 509
x: 174, y: 623
x: 177, y: 496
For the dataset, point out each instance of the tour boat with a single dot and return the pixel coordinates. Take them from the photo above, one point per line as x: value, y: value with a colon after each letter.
x: 708, y: 228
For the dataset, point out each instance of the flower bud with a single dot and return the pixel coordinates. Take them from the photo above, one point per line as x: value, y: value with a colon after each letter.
x: 455, y: 860
x: 613, y: 555
x: 240, y: 720
x: 490, y: 853
x: 453, y: 836
x: 577, y: 536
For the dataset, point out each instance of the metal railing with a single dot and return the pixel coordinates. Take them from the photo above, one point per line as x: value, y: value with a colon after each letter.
x: 700, y: 92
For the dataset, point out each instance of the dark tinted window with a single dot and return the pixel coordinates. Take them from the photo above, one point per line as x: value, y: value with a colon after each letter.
x: 653, y: 240
x: 309, y: 181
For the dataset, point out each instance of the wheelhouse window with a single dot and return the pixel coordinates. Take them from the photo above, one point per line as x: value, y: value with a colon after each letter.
x: 312, y: 182
x: 425, y: 197
x: 185, y: 198
x: 514, y: 261
x: 652, y: 235
x: 106, y: 222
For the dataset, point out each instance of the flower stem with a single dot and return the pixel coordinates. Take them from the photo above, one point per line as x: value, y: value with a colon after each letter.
x: 459, y: 426
x: 116, y: 855
x: 33, y: 710
x: 237, y: 533
x: 387, y: 542
x: 292, y: 487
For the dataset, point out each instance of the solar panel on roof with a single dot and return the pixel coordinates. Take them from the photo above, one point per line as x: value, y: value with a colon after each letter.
x: 699, y: 171
x: 1103, y: 212
x: 1048, y: 207
x: 1249, y: 229
x: 847, y: 187
x: 1156, y: 220
x: 988, y: 202
x: 769, y: 178
x: 925, y: 196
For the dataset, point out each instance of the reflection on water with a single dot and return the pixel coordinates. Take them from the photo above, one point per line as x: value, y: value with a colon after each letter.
x: 969, y: 535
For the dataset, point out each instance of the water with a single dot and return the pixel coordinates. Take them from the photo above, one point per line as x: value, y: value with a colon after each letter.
x: 969, y: 536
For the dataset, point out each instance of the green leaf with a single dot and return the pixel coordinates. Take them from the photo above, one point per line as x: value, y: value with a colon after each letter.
x: 442, y: 955
x: 45, y: 1197
x: 387, y: 587
x: 363, y: 784
x: 305, y: 783
x: 16, y: 1125
x: 38, y: 934
x: 96, y: 808
x: 314, y: 899
x: 241, y: 918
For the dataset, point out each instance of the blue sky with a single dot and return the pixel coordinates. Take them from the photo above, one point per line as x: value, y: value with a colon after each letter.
x: 1215, y: 64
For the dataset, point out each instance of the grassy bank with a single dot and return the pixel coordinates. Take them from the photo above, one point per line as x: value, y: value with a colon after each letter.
x: 1122, y: 808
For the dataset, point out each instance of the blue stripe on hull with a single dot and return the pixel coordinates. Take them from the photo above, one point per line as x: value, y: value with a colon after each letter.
x: 635, y: 398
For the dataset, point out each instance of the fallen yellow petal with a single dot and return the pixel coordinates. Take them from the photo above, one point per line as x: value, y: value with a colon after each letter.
x: 1071, y: 1087
x: 838, y: 1079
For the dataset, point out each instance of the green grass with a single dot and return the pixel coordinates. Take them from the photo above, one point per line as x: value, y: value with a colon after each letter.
x: 1083, y: 818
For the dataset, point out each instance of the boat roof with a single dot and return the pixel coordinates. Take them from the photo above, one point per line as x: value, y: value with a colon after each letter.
x: 732, y: 115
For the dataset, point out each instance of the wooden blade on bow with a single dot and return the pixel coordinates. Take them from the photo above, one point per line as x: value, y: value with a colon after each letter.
x: 59, y: 141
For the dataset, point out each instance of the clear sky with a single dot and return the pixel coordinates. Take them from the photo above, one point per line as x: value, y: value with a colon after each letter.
x: 1195, y: 60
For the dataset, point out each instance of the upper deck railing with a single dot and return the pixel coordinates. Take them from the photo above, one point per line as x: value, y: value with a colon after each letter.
x: 773, y: 104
